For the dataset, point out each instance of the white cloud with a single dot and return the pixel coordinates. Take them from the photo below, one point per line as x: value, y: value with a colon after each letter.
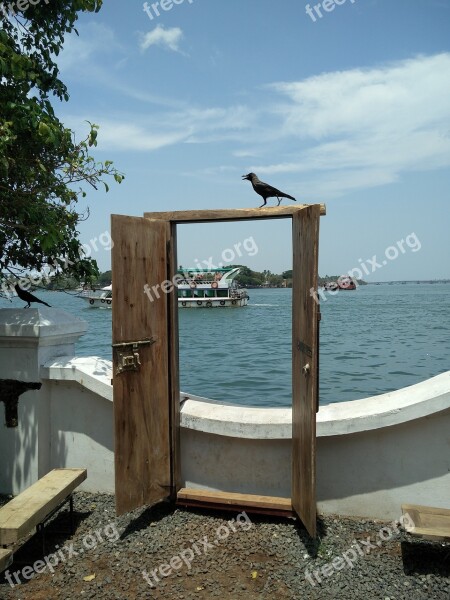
x: 94, y: 38
x: 371, y: 125
x: 245, y: 153
x: 332, y: 133
x: 166, y: 38
x: 116, y: 135
x: 122, y: 131
x: 397, y: 98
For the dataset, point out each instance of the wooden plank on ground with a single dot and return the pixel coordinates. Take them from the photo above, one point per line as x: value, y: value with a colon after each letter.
x: 24, y: 512
x: 6, y: 558
x: 427, y: 522
x: 234, y: 214
x: 305, y: 241
x: 232, y: 499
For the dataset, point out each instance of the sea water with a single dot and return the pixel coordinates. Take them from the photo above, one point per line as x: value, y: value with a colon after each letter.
x: 373, y: 340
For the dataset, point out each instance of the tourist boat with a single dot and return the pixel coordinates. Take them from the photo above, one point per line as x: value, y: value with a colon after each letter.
x: 346, y: 283
x: 99, y: 299
x: 210, y: 288
x: 197, y: 288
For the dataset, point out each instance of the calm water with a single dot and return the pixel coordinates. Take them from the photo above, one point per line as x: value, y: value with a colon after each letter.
x: 376, y: 339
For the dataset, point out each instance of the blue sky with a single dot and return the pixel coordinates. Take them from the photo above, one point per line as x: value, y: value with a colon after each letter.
x: 351, y: 109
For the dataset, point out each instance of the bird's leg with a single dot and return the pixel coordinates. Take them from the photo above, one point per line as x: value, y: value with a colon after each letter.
x: 279, y: 201
x: 265, y: 202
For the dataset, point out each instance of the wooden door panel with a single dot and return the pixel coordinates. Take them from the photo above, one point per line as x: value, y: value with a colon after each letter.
x: 141, y: 397
x: 305, y: 229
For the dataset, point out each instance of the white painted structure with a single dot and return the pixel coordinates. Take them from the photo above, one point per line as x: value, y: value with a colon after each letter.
x: 372, y: 454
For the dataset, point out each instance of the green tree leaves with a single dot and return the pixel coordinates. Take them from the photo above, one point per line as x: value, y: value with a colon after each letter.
x: 43, y: 169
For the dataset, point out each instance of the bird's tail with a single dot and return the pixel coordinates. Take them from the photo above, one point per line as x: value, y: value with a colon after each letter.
x: 42, y: 302
x: 290, y: 197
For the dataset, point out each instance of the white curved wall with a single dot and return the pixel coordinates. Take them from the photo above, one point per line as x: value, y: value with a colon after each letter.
x: 372, y: 454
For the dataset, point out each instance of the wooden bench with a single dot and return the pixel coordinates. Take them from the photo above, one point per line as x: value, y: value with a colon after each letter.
x: 6, y: 558
x: 428, y: 522
x: 21, y: 515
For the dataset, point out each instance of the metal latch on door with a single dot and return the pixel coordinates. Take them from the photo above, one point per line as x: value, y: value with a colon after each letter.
x: 128, y: 359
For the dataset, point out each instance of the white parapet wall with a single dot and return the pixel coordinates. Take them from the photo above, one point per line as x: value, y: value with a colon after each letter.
x: 28, y: 339
x: 372, y: 454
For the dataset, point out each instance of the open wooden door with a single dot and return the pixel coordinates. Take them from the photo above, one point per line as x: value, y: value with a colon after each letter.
x: 145, y: 412
x: 305, y: 309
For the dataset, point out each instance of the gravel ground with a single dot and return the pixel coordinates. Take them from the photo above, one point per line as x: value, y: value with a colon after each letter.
x: 199, y: 554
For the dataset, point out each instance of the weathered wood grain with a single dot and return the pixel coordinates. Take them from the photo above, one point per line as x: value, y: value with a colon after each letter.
x: 235, y: 499
x: 140, y: 478
x: 6, y: 558
x: 24, y: 512
x: 428, y: 522
x: 142, y: 397
x: 174, y: 376
x: 305, y: 231
x: 235, y: 214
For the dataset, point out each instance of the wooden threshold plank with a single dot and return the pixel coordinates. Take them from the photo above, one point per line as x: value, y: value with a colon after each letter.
x: 209, y: 497
x: 6, y: 558
x: 19, y: 516
x: 428, y: 522
x: 234, y: 214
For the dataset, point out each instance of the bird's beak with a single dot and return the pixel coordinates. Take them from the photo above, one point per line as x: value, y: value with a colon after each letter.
x: 245, y: 177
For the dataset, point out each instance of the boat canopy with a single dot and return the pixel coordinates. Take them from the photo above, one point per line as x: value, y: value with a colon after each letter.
x: 230, y: 275
x: 186, y: 270
x: 227, y: 276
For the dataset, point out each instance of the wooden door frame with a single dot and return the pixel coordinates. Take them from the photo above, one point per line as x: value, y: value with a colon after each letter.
x: 172, y: 219
x: 305, y: 365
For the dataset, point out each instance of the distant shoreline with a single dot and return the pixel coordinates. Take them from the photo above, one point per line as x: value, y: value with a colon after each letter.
x: 399, y: 282
x: 408, y: 281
